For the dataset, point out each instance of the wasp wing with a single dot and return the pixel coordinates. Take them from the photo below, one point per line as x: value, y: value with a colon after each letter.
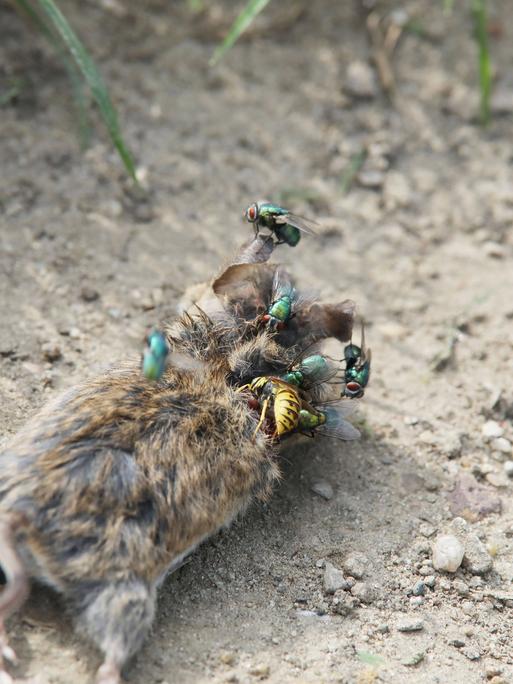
x: 299, y: 222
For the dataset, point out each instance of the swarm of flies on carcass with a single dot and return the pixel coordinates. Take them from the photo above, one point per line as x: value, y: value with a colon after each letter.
x: 110, y: 486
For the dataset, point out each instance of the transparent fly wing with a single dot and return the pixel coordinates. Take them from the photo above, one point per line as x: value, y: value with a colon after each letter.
x: 336, y: 424
x: 299, y: 222
x: 282, y: 287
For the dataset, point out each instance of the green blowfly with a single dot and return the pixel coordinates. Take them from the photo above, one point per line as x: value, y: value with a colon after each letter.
x: 312, y: 370
x: 284, y: 299
x: 285, y: 225
x: 330, y: 421
x: 154, y: 356
x: 358, y: 367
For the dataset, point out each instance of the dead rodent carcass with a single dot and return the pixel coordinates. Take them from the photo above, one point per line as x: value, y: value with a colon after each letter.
x: 110, y: 486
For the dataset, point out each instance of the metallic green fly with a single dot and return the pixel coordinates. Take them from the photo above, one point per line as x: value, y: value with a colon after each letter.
x: 283, y: 300
x: 357, y: 371
x: 330, y: 421
x: 285, y: 225
x: 154, y: 356
x: 312, y: 370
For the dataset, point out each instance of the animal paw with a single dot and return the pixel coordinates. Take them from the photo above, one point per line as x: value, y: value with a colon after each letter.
x: 108, y: 674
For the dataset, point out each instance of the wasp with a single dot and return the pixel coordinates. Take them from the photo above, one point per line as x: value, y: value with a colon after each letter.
x: 357, y: 371
x: 279, y: 398
x: 154, y: 356
x: 285, y: 225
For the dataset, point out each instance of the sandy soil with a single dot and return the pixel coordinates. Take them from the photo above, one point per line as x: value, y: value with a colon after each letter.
x: 86, y: 266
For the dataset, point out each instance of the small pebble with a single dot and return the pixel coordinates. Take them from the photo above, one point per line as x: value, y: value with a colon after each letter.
x: 371, y: 178
x: 51, y: 352
x: 89, y: 294
x: 492, y: 429
x: 468, y: 607
x: 410, y: 625
x: 262, y: 671
x: 361, y: 80
x: 383, y: 628
x: 356, y: 565
x: 430, y: 581
x: 447, y: 553
x: 508, y: 468
x: 501, y: 444
x: 322, y: 488
x: 461, y: 587
x: 419, y: 588
x: 476, y: 557
x: 364, y: 592
x: 333, y: 579
x: 416, y: 601
x: 471, y: 653
x: 457, y: 642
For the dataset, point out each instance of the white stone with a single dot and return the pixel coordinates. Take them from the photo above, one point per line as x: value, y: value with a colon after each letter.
x: 501, y: 444
x: 508, y: 468
x: 492, y: 429
x: 447, y: 553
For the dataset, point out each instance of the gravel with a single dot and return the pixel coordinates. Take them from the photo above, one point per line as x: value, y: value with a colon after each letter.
x: 410, y: 625
x: 356, y: 565
x: 448, y: 553
x: 323, y: 489
x: 492, y: 429
x: 333, y: 579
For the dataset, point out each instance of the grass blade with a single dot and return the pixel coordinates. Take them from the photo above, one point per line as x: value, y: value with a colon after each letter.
x: 93, y: 79
x: 485, y: 77
x: 245, y: 18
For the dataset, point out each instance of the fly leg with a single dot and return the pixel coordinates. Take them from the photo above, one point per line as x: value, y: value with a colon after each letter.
x: 117, y: 617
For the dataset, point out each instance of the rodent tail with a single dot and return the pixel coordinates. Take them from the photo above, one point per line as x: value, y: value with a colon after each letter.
x: 17, y: 587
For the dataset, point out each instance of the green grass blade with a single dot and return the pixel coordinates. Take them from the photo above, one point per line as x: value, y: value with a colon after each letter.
x: 245, y: 18
x: 485, y: 76
x: 93, y: 79
x: 351, y: 171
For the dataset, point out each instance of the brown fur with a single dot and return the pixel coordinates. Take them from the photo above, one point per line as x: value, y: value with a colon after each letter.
x: 120, y: 477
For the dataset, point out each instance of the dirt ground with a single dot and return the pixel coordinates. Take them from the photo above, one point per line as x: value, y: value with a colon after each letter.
x: 422, y: 242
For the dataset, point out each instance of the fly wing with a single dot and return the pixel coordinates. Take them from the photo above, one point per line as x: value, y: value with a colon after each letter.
x: 336, y: 424
x: 299, y: 222
x: 282, y: 287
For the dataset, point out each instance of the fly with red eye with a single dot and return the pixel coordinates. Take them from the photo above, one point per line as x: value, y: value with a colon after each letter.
x: 287, y: 227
